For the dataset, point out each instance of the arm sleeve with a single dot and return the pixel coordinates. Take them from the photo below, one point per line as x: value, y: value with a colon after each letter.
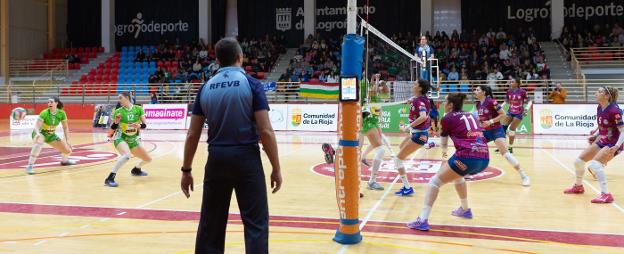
x: 259, y: 97
x: 617, y: 118
x: 43, y: 115
x: 197, y: 109
x: 445, y: 127
x: 495, y: 106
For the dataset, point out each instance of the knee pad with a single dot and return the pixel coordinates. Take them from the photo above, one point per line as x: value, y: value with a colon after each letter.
x: 511, y: 133
x: 579, y: 163
x: 379, y: 153
x: 459, y: 181
x: 595, y: 165
x: 398, y: 163
x: 435, y: 182
x: 511, y: 159
x: 36, y: 149
x: 125, y: 157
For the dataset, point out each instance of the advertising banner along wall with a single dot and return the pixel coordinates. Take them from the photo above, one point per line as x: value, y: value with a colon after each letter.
x: 166, y: 116
x: 585, y: 14
x: 511, y: 15
x: 394, y: 115
x: 273, y: 18
x: 577, y: 119
x: 151, y: 22
x: 389, y: 17
x: 312, y: 117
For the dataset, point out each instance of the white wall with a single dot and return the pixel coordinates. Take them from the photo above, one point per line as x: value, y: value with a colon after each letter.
x: 426, y: 21
x: 108, y: 21
x: 557, y: 18
x: 447, y: 16
x: 61, y: 23
x: 28, y: 28
x: 204, y: 20
x: 231, y: 19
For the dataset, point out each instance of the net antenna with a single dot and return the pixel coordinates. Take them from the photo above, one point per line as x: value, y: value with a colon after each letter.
x: 433, y: 72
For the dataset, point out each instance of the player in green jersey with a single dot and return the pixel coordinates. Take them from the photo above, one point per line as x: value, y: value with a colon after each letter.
x: 370, y: 129
x: 44, y: 132
x: 128, y: 120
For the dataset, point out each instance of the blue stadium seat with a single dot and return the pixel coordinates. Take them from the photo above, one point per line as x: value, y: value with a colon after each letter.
x: 464, y: 88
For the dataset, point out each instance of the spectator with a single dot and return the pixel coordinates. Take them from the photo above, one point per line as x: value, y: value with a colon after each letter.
x: 559, y: 94
x: 140, y: 57
x: 154, y: 98
x: 132, y: 97
x: 453, y: 75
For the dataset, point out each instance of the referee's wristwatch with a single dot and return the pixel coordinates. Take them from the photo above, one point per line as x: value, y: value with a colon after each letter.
x: 186, y: 170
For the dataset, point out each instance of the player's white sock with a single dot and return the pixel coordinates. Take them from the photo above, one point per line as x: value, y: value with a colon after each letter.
x: 514, y: 162
x: 120, y: 162
x: 424, y: 213
x: 379, y: 152
x: 430, y: 196
x: 34, y: 153
x: 598, y: 169
x: 65, y: 157
x: 142, y: 163
x: 405, y: 181
x: 579, y: 168
x: 398, y: 164
x: 464, y: 203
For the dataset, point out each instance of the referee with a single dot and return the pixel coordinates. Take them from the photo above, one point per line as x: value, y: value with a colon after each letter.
x: 235, y: 107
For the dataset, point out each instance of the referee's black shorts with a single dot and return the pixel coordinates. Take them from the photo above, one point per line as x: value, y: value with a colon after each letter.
x: 237, y: 168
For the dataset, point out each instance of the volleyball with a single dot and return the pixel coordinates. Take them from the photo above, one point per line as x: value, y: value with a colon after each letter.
x: 18, y: 114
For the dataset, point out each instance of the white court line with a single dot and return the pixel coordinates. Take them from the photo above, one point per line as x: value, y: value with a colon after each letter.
x: 374, y: 209
x: 121, y: 213
x: 85, y: 226
x: 40, y: 242
x: 63, y: 234
x: 614, y: 204
x: 9, y: 242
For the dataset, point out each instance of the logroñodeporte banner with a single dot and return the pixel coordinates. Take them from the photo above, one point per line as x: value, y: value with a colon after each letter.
x: 510, y: 15
x: 166, y: 116
x: 574, y: 119
x: 151, y: 22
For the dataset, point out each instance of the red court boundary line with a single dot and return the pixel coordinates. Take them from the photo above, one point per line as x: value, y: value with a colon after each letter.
x: 592, y: 239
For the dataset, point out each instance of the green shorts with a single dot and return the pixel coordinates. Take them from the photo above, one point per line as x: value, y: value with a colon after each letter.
x: 132, y: 141
x: 47, y: 136
x: 369, y: 123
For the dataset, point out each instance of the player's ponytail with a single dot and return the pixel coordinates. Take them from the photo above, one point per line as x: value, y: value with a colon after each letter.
x: 59, y: 104
x: 612, y: 92
x: 488, y: 91
x: 424, y: 85
x: 457, y: 99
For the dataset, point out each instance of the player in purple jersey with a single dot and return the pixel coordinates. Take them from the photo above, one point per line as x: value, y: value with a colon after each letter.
x: 418, y: 127
x: 470, y: 158
x: 490, y: 114
x: 604, y: 144
x: 516, y: 97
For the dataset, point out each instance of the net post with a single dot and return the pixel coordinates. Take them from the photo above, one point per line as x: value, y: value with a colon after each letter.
x: 347, y: 166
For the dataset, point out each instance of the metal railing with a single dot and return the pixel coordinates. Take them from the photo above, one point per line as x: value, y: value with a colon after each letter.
x: 38, y: 68
x: 579, y: 91
x: 595, y: 57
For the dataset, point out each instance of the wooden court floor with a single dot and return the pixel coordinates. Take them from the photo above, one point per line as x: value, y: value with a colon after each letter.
x: 69, y: 210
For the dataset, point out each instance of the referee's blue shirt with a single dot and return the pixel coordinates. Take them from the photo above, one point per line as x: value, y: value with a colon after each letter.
x: 228, y: 101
